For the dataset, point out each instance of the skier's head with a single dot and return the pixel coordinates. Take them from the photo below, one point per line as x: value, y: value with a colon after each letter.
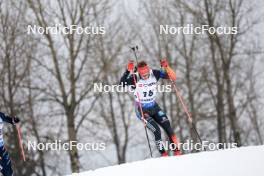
x: 143, y: 69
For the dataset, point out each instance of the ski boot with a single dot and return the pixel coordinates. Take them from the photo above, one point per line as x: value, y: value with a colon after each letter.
x: 177, y: 152
x: 165, y: 154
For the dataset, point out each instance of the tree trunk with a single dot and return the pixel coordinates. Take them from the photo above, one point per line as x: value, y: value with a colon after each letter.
x: 74, y: 157
x: 232, y: 110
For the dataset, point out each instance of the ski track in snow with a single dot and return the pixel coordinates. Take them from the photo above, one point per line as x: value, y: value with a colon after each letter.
x: 244, y: 161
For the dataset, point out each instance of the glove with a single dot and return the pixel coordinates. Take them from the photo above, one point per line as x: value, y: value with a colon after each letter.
x: 15, y: 120
x: 164, y: 63
x: 130, y: 66
x: 171, y: 73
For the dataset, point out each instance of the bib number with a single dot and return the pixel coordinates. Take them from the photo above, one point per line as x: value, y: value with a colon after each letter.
x: 149, y: 93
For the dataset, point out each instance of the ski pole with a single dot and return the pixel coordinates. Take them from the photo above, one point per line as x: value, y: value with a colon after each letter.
x: 190, y: 120
x: 20, y: 142
x: 139, y: 102
x: 142, y: 117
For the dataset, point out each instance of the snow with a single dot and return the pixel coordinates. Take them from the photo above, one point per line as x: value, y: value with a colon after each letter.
x: 244, y: 161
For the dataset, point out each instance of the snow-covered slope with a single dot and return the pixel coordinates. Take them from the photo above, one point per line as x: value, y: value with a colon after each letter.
x: 244, y: 161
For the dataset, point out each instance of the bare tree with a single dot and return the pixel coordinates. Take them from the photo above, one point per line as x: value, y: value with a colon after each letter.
x: 15, y: 48
x: 224, y: 51
x: 70, y: 57
x: 114, y: 107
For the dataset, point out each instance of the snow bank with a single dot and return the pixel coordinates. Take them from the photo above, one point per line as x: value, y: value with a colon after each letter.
x: 244, y: 161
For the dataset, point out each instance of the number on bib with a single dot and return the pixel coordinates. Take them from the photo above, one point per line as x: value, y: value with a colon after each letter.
x: 150, y: 93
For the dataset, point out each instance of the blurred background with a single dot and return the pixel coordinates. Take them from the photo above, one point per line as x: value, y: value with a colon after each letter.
x: 48, y: 79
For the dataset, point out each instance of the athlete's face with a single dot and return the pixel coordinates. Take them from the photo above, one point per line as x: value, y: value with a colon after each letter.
x: 145, y: 75
x: 144, y: 72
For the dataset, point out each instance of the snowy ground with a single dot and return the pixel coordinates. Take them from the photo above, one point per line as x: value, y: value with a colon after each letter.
x: 245, y: 161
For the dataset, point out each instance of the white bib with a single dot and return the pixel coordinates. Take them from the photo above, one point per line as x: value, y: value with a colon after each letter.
x: 146, y: 89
